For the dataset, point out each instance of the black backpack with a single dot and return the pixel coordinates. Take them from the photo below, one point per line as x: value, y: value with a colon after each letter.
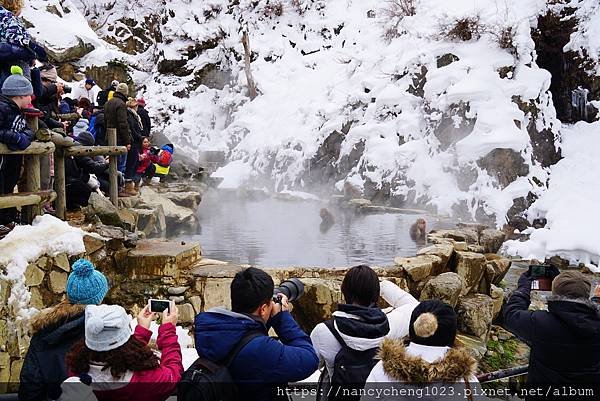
x: 209, y: 381
x: 350, y: 369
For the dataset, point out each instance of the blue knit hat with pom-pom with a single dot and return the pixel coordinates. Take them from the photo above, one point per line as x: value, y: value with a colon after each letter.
x: 86, y: 285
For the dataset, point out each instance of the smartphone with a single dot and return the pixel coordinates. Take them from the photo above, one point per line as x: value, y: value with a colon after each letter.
x: 159, y: 305
x: 541, y: 281
x: 537, y: 271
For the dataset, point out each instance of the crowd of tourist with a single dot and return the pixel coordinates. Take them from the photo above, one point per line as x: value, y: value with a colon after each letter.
x: 82, y: 349
x: 30, y: 86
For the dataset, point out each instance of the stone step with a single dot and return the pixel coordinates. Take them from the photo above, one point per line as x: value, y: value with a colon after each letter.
x: 155, y: 257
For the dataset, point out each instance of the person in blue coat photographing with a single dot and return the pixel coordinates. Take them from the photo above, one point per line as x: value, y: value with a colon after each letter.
x: 265, y: 364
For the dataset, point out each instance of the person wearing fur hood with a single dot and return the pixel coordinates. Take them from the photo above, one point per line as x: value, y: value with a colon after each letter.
x: 360, y: 323
x: 56, y: 329
x: 565, y: 339
x: 429, y: 367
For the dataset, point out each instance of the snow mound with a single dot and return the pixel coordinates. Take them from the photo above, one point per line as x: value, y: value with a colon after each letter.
x: 47, y: 235
x: 570, y: 204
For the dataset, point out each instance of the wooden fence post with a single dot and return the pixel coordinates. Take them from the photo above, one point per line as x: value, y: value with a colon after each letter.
x: 112, y: 168
x: 60, y: 182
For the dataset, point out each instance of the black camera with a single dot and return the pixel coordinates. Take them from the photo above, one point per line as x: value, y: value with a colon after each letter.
x: 292, y: 288
x: 67, y: 89
x: 154, y: 150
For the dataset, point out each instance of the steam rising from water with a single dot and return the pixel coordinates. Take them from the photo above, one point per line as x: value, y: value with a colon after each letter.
x: 274, y: 232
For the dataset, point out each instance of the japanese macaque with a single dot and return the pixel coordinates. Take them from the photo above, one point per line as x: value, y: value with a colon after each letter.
x: 418, y: 231
x: 351, y: 191
x: 327, y: 220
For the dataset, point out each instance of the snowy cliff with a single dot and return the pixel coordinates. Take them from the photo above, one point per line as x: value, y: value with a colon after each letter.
x: 428, y: 103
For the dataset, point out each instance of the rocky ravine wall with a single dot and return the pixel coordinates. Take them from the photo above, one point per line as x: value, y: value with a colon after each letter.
x: 460, y: 267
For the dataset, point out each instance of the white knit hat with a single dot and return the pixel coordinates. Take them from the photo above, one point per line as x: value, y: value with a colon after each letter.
x: 106, y: 327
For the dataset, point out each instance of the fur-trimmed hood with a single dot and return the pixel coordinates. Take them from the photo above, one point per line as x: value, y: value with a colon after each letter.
x: 56, y: 316
x: 400, y: 365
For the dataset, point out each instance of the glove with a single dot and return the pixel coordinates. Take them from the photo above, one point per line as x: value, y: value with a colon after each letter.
x: 40, y: 52
x: 525, y: 280
x: 43, y: 135
x: 93, y: 183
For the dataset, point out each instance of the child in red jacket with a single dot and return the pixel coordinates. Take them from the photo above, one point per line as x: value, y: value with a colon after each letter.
x: 120, y: 365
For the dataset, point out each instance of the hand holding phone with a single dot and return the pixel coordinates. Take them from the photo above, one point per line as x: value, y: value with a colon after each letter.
x: 145, y: 317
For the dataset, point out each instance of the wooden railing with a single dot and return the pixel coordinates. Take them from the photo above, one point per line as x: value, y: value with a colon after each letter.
x: 61, y: 147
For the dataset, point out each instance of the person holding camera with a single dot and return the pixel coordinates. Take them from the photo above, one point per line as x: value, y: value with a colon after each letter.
x: 565, y: 339
x: 264, y: 363
x: 118, y: 364
x: 147, y: 157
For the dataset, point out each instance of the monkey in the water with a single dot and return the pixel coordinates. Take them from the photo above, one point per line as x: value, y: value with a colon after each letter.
x: 327, y: 220
x: 418, y: 231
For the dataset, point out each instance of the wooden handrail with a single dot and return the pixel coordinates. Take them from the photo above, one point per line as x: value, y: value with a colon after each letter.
x: 26, y: 199
x: 79, y: 150
x: 36, y: 148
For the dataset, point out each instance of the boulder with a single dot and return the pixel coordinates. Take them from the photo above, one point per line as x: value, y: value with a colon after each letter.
x: 151, y: 221
x: 459, y: 235
x: 496, y: 268
x: 319, y: 301
x: 475, y: 313
x: 491, y: 240
x: 497, y: 295
x: 177, y: 290
x: 108, y: 213
x: 419, y: 267
x: 474, y: 345
x: 188, y: 199
x: 175, y: 216
x: 446, y: 287
x: 33, y: 275
x: 72, y: 53
x: 186, y: 313
x: 444, y: 251
x: 470, y: 267
x: 4, y: 371
x: 58, y: 282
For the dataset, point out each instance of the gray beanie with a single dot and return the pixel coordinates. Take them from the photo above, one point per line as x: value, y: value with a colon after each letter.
x: 123, y: 88
x: 106, y: 327
x: 17, y: 85
x: 572, y: 284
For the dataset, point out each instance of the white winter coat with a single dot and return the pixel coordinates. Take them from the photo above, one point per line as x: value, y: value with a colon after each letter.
x: 403, y: 367
x: 403, y: 304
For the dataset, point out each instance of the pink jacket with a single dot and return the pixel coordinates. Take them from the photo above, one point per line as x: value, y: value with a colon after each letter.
x: 147, y: 385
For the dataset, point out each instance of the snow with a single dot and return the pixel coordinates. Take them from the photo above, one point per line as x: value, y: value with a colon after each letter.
x: 324, y: 65
x: 47, y: 235
x: 570, y: 205
x: 587, y: 34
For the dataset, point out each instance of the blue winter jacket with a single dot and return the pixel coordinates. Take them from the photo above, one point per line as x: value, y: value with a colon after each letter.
x: 264, y: 363
x: 13, y: 127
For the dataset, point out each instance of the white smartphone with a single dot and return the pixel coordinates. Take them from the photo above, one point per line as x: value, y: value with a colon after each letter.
x: 159, y: 305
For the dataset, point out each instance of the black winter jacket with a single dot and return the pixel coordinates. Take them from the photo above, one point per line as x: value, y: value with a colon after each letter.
x: 44, y: 368
x: 146, y: 122
x: 13, y: 127
x: 115, y: 116
x: 564, y: 341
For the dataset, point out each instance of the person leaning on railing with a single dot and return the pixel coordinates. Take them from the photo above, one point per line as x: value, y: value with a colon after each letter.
x: 16, y: 95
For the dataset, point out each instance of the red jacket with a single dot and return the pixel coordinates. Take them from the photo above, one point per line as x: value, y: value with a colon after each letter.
x: 145, y: 162
x: 147, y: 385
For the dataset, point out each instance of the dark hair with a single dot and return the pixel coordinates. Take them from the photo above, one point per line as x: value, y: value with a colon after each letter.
x: 250, y: 288
x: 133, y: 355
x: 361, y: 286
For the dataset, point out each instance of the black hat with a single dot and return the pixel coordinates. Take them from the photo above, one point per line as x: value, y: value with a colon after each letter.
x: 433, y: 323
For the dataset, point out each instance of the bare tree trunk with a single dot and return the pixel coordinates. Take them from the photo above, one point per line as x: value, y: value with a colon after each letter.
x: 251, y: 85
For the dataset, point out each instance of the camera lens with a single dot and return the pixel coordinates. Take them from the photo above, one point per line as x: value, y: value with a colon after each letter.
x: 292, y: 288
